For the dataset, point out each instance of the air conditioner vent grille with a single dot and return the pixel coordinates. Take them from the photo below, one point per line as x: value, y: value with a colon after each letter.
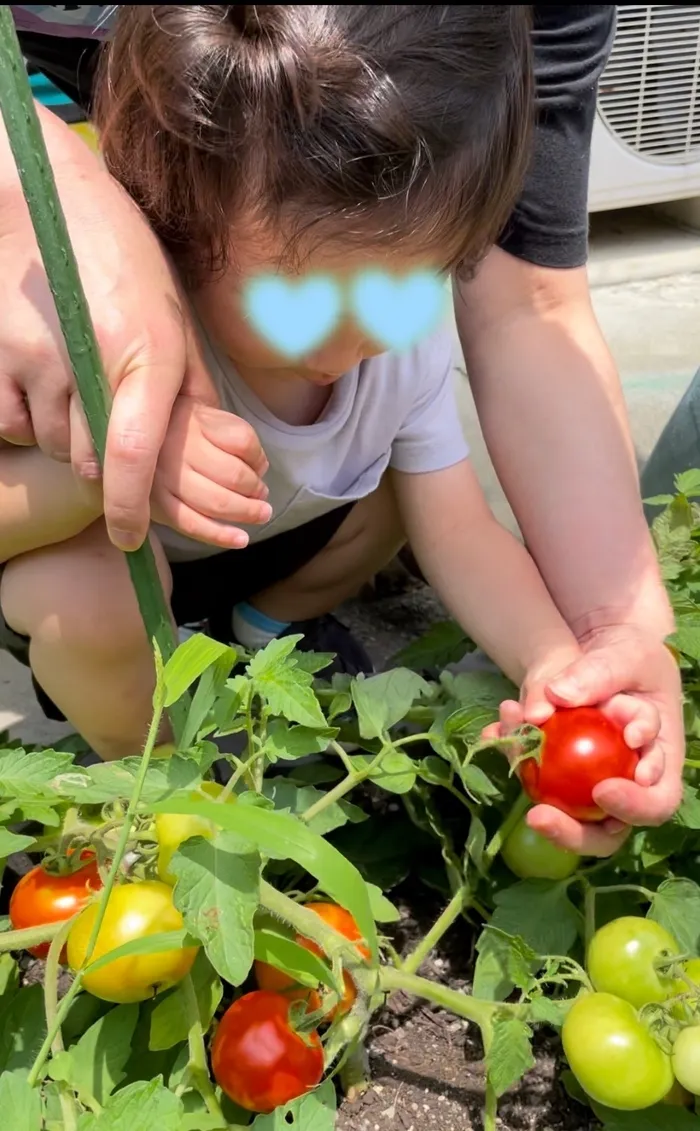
x: 649, y: 95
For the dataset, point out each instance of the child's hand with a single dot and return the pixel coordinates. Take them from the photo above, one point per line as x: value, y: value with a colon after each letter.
x: 208, y: 476
x: 640, y: 722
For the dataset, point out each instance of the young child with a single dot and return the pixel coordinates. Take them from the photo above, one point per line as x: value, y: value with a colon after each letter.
x: 288, y: 150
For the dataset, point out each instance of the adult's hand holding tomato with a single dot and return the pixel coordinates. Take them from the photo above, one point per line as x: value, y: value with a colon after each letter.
x: 43, y: 897
x: 581, y: 748
x: 258, y: 1059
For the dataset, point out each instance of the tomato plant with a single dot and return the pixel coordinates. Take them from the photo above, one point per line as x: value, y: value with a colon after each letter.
x: 531, y: 856
x: 581, y: 747
x: 133, y: 911
x: 49, y: 897
x: 613, y: 1056
x: 270, y: 978
x: 258, y: 1058
x: 621, y: 959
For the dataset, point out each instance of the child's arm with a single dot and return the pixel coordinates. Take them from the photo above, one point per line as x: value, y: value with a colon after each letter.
x: 485, y: 577
x: 41, y: 501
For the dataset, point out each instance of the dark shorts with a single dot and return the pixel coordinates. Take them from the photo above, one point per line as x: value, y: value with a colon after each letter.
x: 205, y: 591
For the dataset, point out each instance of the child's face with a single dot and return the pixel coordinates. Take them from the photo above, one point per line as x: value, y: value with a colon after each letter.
x: 225, y: 307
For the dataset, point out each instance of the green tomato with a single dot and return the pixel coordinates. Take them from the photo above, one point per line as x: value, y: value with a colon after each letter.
x: 621, y: 960
x: 172, y: 829
x: 530, y: 856
x: 613, y: 1056
x: 686, y: 1059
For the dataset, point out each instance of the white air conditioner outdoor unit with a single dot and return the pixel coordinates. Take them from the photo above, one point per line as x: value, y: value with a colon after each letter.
x: 646, y: 139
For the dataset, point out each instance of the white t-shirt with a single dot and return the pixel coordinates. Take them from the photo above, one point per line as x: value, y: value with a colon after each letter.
x: 396, y: 410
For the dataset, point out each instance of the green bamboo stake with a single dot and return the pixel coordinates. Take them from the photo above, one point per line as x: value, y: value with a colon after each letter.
x: 36, y: 175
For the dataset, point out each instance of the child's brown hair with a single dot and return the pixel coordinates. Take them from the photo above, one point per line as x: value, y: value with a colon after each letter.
x: 367, y: 123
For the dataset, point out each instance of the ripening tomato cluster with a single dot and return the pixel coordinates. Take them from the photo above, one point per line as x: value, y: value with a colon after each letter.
x: 260, y: 1059
x: 610, y: 1043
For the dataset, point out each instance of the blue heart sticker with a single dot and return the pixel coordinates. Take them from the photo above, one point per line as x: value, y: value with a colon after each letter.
x: 292, y: 317
x: 398, y: 312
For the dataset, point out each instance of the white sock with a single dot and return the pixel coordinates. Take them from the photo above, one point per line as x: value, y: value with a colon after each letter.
x: 253, y: 629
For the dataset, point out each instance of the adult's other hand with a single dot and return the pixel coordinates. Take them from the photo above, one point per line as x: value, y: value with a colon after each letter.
x: 148, y: 348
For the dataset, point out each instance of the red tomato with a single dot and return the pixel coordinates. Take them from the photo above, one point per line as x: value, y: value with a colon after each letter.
x: 270, y: 978
x: 581, y: 748
x: 42, y: 897
x: 258, y: 1059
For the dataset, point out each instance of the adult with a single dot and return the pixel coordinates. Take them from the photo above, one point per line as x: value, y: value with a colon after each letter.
x: 546, y: 388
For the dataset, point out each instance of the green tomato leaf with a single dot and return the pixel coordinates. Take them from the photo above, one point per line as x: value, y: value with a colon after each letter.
x: 96, y: 1064
x: 383, y: 700
x: 477, y: 784
x: 686, y: 638
x: 504, y: 962
x: 112, y: 781
x: 476, y: 843
x: 313, y: 661
x: 688, y: 483
x: 286, y: 688
x: 545, y: 1011
x: 279, y: 950
x: 676, y: 906
x: 209, y: 688
x: 510, y: 1054
x: 170, y: 1018
x: 9, y: 979
x: 540, y: 913
x: 312, y: 1112
x: 284, y: 741
x: 444, y: 643
x: 662, y: 1117
x: 13, y: 842
x: 217, y: 891
x: 396, y: 772
x: 688, y: 816
x: 479, y: 688
x: 383, y: 909
x: 340, y: 705
x: 283, y: 837
x: 467, y: 723
x: 26, y: 776
x: 22, y: 1030
x: 148, y: 944
x: 285, y: 795
x: 189, y: 661
x: 142, y: 1106
x: 20, y: 1105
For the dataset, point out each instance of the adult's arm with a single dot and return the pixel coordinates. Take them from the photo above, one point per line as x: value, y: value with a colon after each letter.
x: 149, y: 352
x: 553, y: 415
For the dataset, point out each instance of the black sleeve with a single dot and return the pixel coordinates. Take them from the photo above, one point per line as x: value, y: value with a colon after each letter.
x: 69, y: 62
x: 549, y: 226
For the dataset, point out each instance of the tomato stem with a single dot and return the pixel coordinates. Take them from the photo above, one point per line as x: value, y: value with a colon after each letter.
x: 28, y: 937
x: 158, y: 706
x: 512, y: 818
x: 470, y: 1008
x: 66, y: 1097
x: 462, y: 896
x: 353, y: 779
x: 197, y: 1066
x: 441, y: 925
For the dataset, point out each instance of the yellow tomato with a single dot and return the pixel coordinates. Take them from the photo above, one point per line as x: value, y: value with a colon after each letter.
x: 172, y: 829
x: 133, y: 912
